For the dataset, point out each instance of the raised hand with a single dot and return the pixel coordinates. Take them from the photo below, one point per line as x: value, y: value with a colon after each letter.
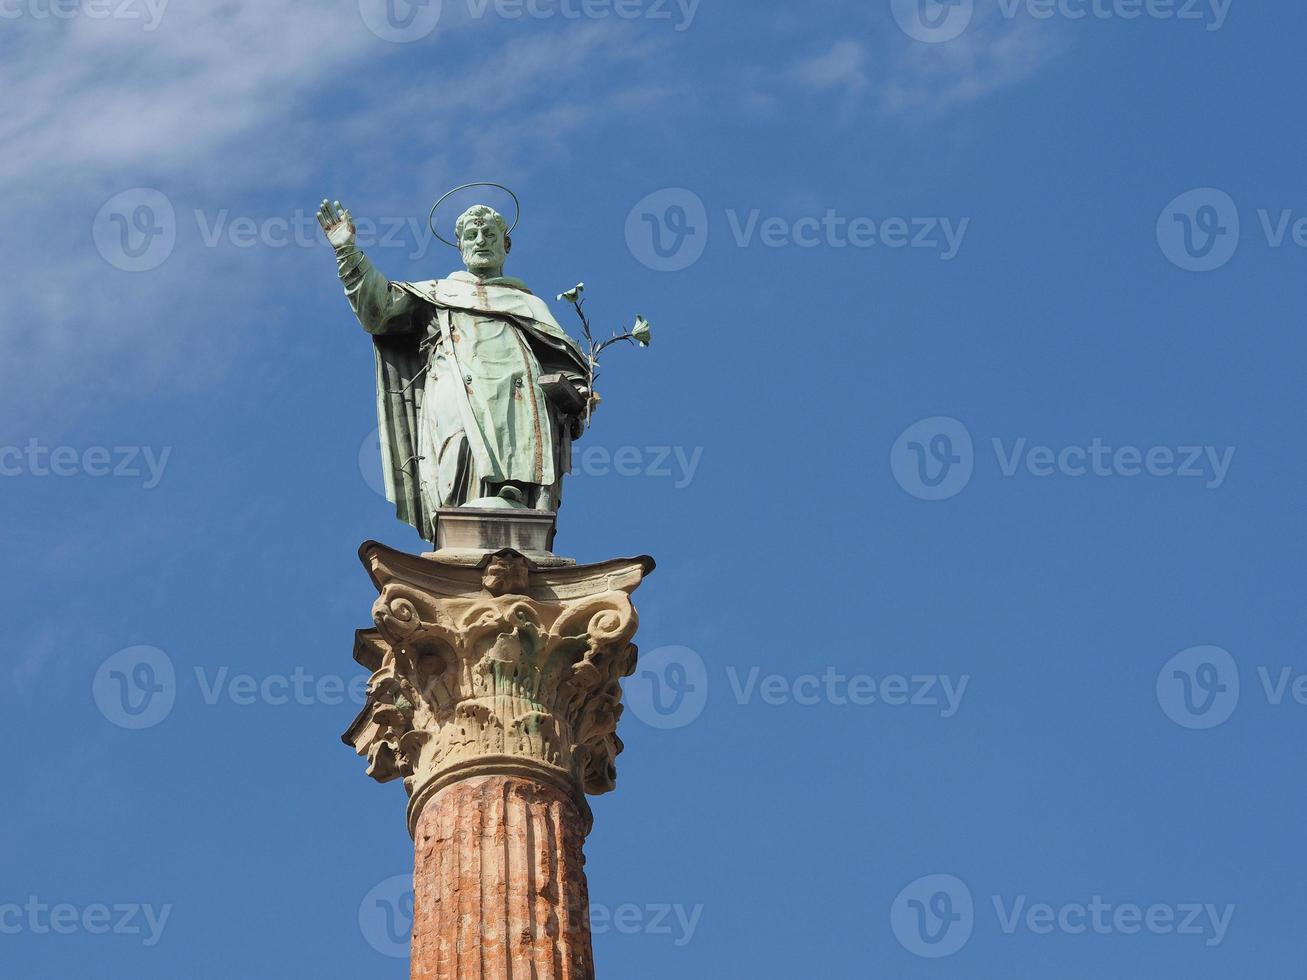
x: 338, y: 223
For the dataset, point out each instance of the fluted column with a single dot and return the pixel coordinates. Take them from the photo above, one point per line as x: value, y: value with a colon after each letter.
x: 499, y: 884
x: 495, y: 696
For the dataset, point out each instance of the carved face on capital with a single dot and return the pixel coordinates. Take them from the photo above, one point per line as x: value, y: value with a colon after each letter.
x: 507, y: 573
x: 483, y: 240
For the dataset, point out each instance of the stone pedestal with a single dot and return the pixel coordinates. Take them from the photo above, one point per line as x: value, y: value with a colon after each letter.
x: 464, y: 533
x: 495, y: 697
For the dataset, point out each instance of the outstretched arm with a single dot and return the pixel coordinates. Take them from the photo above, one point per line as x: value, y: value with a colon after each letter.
x: 381, y: 307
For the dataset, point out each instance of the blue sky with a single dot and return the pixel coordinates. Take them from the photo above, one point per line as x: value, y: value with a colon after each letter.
x: 969, y: 446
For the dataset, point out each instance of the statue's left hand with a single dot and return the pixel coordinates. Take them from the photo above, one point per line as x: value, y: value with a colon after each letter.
x: 338, y: 223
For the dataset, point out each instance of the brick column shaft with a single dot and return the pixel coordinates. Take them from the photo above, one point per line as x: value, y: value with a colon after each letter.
x: 499, y: 884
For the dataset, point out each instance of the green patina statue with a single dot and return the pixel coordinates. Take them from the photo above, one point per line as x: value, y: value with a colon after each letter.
x: 479, y: 391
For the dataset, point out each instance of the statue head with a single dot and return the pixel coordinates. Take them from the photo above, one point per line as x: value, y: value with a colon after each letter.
x: 483, y: 239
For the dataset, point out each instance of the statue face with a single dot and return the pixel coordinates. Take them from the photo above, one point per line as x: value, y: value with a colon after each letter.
x: 483, y: 244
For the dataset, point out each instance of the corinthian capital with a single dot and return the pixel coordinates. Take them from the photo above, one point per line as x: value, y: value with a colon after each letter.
x: 500, y: 668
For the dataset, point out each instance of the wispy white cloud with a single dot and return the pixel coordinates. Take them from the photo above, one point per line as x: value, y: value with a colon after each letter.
x: 105, y: 95
x: 227, y: 104
x: 44, y: 647
x: 895, y: 74
x: 843, y: 67
x: 992, y: 54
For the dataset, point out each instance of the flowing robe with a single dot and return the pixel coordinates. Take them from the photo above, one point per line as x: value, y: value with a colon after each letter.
x: 459, y: 405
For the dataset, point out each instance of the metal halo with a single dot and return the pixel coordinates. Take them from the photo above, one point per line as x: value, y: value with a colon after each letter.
x: 431, y: 220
